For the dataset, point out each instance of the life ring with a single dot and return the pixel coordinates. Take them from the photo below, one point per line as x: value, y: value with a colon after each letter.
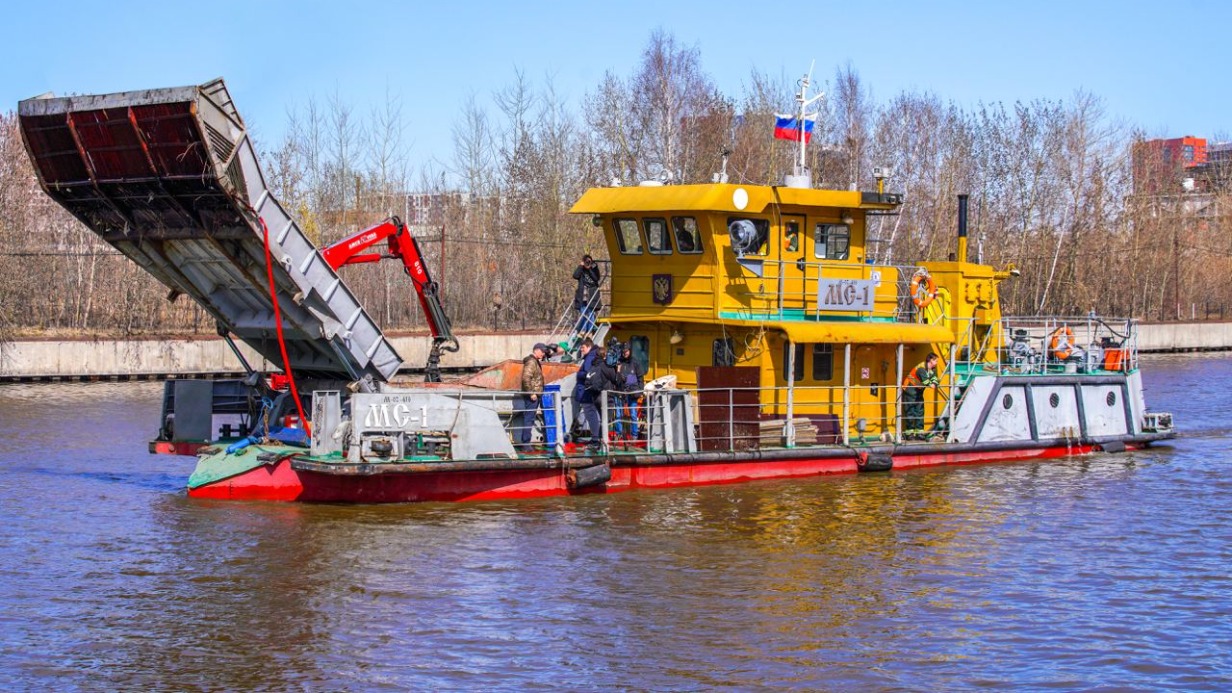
x: 930, y: 290
x: 1062, y: 344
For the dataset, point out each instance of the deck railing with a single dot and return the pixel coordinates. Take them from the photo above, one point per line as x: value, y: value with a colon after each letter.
x: 730, y: 419
x: 811, y: 290
x: 1080, y: 344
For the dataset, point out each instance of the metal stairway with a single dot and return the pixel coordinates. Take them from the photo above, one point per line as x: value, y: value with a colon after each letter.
x: 568, y: 329
x: 169, y: 177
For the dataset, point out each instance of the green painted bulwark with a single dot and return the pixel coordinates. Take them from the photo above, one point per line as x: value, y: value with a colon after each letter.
x: 220, y: 465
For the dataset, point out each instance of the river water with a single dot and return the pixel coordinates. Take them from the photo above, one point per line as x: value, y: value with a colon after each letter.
x: 1110, y: 571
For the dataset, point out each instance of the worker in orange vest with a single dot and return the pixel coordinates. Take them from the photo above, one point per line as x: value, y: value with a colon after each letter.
x: 922, y: 376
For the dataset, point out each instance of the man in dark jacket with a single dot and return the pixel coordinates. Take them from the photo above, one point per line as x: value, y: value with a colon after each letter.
x: 632, y: 378
x: 601, y: 378
x: 586, y: 296
x: 585, y: 398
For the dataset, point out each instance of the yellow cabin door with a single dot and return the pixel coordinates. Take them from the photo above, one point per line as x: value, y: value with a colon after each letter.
x: 791, y: 249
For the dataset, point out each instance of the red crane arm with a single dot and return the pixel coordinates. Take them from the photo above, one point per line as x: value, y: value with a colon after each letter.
x: 403, y: 246
x: 346, y: 251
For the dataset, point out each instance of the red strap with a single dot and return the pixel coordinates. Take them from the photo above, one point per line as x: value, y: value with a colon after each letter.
x: 282, y: 344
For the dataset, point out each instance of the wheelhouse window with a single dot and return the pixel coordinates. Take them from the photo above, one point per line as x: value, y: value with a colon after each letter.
x: 797, y: 373
x: 749, y: 236
x: 724, y: 352
x: 628, y: 238
x: 831, y: 241
x: 688, y: 240
x: 823, y: 362
x: 791, y: 236
x: 656, y: 236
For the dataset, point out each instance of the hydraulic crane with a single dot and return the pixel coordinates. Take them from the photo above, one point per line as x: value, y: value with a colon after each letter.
x: 403, y: 246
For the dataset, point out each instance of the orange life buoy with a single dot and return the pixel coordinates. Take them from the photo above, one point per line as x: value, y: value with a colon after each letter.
x: 929, y: 294
x: 1062, y: 344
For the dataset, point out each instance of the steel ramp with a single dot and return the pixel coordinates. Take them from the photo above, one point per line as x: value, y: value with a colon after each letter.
x: 169, y: 177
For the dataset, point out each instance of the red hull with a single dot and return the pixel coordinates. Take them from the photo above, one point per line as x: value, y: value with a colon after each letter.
x: 167, y: 447
x: 280, y: 482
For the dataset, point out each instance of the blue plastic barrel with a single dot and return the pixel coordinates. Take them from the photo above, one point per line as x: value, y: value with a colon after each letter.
x: 550, y: 393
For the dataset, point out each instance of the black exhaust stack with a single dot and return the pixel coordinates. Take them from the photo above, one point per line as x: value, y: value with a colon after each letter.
x: 962, y: 229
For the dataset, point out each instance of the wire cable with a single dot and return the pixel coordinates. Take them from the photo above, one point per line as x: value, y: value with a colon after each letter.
x: 282, y: 342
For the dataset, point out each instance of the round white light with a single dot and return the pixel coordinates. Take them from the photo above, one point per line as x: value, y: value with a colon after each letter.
x: 740, y: 198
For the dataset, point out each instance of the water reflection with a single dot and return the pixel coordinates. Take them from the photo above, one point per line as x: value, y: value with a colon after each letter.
x: 1108, y: 570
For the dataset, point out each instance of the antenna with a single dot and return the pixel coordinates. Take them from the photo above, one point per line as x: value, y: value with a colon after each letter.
x: 721, y: 176
x: 802, y: 177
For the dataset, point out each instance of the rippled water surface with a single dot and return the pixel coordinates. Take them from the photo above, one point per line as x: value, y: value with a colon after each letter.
x: 1111, y: 571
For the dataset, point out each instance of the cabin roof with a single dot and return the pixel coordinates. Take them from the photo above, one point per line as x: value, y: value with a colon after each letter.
x: 722, y: 197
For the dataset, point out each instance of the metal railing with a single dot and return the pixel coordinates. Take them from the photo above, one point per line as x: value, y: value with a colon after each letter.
x: 733, y: 419
x: 1079, y: 344
x: 796, y: 289
x: 720, y: 419
x: 578, y: 322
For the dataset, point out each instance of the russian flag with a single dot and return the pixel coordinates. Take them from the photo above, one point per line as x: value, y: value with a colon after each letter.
x: 788, y: 128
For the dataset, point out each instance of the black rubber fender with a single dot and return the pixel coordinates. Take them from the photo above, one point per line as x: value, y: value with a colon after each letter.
x: 875, y: 462
x: 584, y: 477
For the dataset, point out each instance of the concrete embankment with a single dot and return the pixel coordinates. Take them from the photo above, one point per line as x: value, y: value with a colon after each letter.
x: 142, y: 359
x: 151, y: 359
x: 1184, y: 336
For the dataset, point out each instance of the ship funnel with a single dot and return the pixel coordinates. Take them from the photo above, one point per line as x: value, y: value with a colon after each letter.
x: 961, y: 255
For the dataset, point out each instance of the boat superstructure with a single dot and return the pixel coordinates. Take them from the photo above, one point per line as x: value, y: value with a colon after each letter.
x: 772, y: 344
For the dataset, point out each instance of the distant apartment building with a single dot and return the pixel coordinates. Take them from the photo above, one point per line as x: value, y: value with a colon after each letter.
x: 1186, y: 176
x: 1219, y: 153
x: 434, y: 209
x: 1161, y: 167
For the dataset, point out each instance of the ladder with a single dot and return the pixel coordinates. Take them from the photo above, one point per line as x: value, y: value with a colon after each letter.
x: 570, y: 330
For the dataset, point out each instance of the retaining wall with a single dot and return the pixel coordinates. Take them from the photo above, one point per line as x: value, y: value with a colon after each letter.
x: 157, y: 358
x: 1185, y: 336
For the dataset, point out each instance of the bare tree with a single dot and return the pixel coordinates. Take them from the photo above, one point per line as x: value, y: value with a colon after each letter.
x: 1057, y: 188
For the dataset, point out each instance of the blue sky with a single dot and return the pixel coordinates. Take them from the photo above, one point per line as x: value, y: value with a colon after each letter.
x: 1160, y: 66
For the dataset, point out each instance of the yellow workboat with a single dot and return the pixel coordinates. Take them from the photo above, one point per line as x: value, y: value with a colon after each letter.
x: 767, y: 341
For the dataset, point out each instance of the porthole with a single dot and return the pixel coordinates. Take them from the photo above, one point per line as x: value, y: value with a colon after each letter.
x: 1111, y: 399
x: 1055, y: 400
x: 1007, y: 401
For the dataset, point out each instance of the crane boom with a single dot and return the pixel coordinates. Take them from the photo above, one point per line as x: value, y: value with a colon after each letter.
x: 403, y: 246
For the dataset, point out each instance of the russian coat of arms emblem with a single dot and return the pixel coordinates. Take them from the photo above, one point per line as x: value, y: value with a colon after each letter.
x: 661, y: 288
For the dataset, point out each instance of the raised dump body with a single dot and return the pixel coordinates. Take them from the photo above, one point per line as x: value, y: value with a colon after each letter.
x: 169, y: 177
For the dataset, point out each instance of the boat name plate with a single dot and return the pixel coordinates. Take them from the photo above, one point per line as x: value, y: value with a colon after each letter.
x: 846, y: 294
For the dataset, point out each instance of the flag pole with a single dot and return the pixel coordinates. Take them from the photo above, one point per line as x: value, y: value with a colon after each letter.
x: 805, y: 102
x: 804, y: 85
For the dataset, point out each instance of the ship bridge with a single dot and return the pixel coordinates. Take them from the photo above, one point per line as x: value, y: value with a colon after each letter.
x: 724, y: 252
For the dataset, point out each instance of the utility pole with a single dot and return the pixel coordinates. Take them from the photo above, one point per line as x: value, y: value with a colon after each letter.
x: 1176, y: 267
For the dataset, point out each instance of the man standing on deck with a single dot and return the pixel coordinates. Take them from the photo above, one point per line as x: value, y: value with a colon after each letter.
x: 922, y: 376
x: 632, y: 380
x: 583, y: 395
x: 526, y: 405
x: 601, y: 379
x: 586, y: 297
